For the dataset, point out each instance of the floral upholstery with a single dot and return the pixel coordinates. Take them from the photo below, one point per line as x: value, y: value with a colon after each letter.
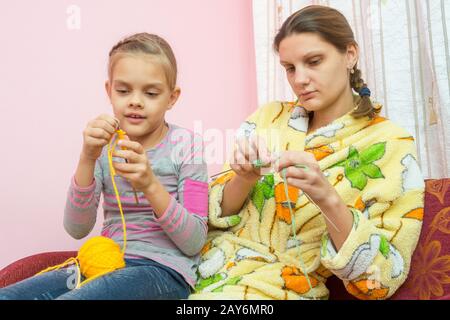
x: 429, y: 277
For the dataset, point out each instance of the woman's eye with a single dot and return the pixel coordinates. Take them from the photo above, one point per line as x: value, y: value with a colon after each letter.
x: 314, y: 62
x: 290, y: 69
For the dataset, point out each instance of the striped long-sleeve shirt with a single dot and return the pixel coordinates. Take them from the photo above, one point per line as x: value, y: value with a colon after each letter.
x: 175, y: 238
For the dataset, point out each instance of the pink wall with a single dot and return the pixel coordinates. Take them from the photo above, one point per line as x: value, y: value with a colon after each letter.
x: 52, y: 83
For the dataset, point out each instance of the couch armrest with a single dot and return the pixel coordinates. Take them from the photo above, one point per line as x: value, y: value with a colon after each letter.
x: 29, y: 266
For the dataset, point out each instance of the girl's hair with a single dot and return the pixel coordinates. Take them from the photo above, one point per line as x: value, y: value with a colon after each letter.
x: 148, y: 44
x: 333, y: 27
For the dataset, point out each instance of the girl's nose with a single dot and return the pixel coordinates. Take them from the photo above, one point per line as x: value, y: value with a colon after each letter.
x: 135, y: 102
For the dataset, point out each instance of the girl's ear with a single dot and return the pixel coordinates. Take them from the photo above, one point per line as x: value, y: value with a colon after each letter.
x: 108, y: 88
x: 174, y: 97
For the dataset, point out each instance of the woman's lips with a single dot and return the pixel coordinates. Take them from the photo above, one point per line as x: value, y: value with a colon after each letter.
x: 308, y: 95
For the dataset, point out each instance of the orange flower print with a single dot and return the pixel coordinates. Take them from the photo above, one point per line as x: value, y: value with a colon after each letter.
x: 359, y: 204
x: 320, y: 152
x: 376, y: 120
x: 415, y: 214
x: 223, y: 178
x: 367, y: 289
x: 441, y: 221
x: 282, y: 203
x: 430, y: 271
x: 296, y: 280
x: 206, y: 248
x: 438, y: 188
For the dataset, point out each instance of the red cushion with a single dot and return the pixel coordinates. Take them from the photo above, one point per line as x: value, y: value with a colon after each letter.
x: 429, y: 277
x: 29, y: 266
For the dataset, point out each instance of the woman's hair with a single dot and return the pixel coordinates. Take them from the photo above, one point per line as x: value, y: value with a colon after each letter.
x: 333, y: 27
x: 148, y: 44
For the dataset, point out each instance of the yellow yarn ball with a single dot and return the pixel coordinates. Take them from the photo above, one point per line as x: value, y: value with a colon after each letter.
x: 100, y: 255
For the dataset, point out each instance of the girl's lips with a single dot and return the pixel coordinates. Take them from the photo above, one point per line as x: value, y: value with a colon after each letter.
x: 135, y: 120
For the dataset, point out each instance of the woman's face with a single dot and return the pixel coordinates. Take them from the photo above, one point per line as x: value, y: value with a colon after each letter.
x: 317, y: 72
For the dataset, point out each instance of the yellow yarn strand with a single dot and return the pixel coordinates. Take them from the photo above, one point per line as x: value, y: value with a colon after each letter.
x: 100, y: 255
x: 120, y: 136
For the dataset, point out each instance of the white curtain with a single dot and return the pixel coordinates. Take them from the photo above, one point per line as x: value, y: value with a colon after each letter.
x: 405, y: 61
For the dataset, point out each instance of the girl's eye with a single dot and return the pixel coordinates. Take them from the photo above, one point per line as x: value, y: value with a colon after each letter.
x: 152, y: 94
x: 122, y: 91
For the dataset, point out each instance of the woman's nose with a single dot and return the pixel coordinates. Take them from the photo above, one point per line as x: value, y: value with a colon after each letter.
x: 301, y: 78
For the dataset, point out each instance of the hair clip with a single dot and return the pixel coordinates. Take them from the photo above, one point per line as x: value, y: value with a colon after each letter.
x: 364, y: 92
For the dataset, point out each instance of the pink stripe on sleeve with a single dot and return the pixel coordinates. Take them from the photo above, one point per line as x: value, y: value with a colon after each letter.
x: 76, y: 187
x: 77, y: 204
x: 180, y: 219
x: 169, y: 213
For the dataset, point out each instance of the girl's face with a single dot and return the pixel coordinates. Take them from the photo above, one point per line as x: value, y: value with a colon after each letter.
x: 317, y: 72
x: 140, y: 94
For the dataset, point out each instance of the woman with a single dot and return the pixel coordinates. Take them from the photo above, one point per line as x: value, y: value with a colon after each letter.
x: 354, y: 206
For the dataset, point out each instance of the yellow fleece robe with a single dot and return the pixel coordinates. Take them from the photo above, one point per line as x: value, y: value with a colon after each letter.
x: 372, y: 165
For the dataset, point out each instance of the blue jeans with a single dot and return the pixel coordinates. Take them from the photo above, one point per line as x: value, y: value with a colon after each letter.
x: 141, y: 279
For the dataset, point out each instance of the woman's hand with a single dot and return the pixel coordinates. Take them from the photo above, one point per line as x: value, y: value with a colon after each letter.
x: 246, y: 151
x: 313, y: 182
x: 137, y: 171
x: 310, y: 180
x: 96, y: 135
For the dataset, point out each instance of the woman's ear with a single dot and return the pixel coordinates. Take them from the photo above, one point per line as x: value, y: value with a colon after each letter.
x: 174, y: 97
x: 352, y: 55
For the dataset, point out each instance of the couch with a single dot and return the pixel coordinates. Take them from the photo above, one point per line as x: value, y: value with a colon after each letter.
x: 429, y: 277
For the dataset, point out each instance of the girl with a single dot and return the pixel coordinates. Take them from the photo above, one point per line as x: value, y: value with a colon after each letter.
x: 162, y: 165
x: 346, y: 194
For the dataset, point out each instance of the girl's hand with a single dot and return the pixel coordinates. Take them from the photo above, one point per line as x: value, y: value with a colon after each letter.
x: 97, y: 134
x: 137, y: 171
x: 246, y: 151
x: 310, y: 180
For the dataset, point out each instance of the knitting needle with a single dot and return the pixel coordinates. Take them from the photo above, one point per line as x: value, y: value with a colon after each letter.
x: 259, y: 164
x: 256, y: 164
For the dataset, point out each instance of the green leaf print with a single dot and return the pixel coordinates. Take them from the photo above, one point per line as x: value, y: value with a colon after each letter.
x: 203, y: 283
x: 384, y: 246
x: 373, y: 153
x: 358, y: 167
x: 372, y: 171
x: 269, y: 179
x: 258, y: 196
x: 233, y: 220
x: 232, y: 281
x: 267, y: 191
x: 357, y: 178
x: 262, y: 191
